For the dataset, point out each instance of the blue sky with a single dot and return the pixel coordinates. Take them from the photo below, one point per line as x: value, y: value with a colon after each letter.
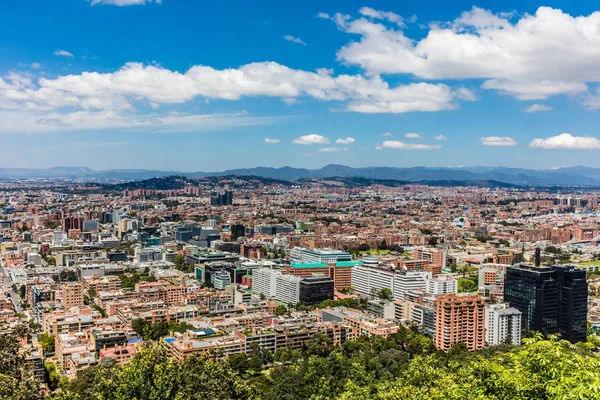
x: 196, y: 85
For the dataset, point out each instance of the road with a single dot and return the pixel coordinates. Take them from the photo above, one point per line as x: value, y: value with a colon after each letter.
x: 8, y: 289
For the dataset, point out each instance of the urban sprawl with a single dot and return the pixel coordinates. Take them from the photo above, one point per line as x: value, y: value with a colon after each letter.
x: 220, y: 267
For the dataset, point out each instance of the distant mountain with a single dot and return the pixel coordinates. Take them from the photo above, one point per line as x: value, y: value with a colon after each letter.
x: 568, y: 176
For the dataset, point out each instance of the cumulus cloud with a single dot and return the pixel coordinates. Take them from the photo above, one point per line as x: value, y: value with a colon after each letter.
x: 538, y: 108
x: 386, y: 134
x: 395, y: 144
x: 348, y: 140
x: 136, y: 82
x: 332, y: 149
x: 511, y: 54
x: 440, y: 137
x: 63, y: 53
x: 272, y: 140
x: 413, y: 135
x: 294, y: 39
x: 566, y: 141
x: 122, y: 3
x: 312, y: 138
x: 498, y: 141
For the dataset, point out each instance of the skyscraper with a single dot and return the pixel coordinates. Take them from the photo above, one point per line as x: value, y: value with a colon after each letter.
x: 552, y: 299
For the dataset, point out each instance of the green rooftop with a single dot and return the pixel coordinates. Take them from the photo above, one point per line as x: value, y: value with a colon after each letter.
x: 309, y: 265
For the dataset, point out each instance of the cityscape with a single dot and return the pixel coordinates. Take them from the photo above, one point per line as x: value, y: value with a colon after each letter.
x: 172, y: 227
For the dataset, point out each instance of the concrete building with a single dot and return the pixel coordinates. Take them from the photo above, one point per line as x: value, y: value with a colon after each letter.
x: 264, y: 281
x: 502, y: 324
x: 302, y: 255
x: 72, y: 294
x: 287, y: 288
x: 459, y: 319
x: 442, y: 284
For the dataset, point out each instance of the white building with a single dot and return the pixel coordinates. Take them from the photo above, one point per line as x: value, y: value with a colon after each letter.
x: 502, y: 323
x: 301, y: 255
x: 264, y: 281
x: 369, y: 281
x: 441, y: 285
x: 409, y: 280
x: 287, y: 288
x: 221, y: 279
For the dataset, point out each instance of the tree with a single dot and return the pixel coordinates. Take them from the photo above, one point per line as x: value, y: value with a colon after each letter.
x: 47, y: 342
x: 385, y: 294
x: 51, y: 260
x: 281, y: 310
x: 180, y: 262
x: 22, y: 291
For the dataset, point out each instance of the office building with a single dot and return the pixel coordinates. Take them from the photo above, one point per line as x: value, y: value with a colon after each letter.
x: 502, y: 325
x: 316, y: 289
x: 287, y: 288
x: 264, y: 281
x: 459, y: 319
x: 301, y: 255
x: 222, y: 199
x: 553, y: 300
x: 442, y: 284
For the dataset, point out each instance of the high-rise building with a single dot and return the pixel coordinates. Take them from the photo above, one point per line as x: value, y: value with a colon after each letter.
x: 459, y: 319
x: 222, y: 199
x: 237, y: 231
x: 263, y: 281
x: 316, y: 289
x: 287, y: 288
x: 553, y: 299
x: 502, y: 324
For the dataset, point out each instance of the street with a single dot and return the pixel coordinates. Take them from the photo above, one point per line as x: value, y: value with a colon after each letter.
x: 8, y: 289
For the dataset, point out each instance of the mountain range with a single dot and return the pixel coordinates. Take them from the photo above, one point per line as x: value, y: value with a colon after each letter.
x: 569, y: 176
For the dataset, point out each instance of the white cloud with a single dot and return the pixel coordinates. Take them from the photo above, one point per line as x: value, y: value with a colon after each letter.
x: 512, y: 54
x: 36, y: 122
x: 272, y: 140
x: 388, y: 16
x: 35, y: 65
x: 332, y: 149
x: 122, y: 3
x: 395, y: 144
x: 323, y: 15
x: 498, y: 141
x: 540, y: 90
x: 348, y: 140
x: 294, y: 39
x: 538, y: 108
x: 63, y: 53
x: 440, y: 137
x: 413, y: 135
x: 386, y: 134
x: 312, y: 138
x: 136, y: 82
x: 566, y: 141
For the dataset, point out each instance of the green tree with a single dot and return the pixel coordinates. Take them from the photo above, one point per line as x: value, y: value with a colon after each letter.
x: 385, y: 294
x: 47, y: 342
x: 281, y: 310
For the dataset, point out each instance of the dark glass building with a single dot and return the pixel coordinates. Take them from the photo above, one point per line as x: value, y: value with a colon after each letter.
x: 223, y: 199
x: 552, y: 299
x: 315, y: 289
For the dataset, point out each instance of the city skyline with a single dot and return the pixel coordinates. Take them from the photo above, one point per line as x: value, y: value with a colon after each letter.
x: 208, y: 87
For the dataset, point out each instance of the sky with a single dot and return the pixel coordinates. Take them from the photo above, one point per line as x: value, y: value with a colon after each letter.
x: 194, y: 85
